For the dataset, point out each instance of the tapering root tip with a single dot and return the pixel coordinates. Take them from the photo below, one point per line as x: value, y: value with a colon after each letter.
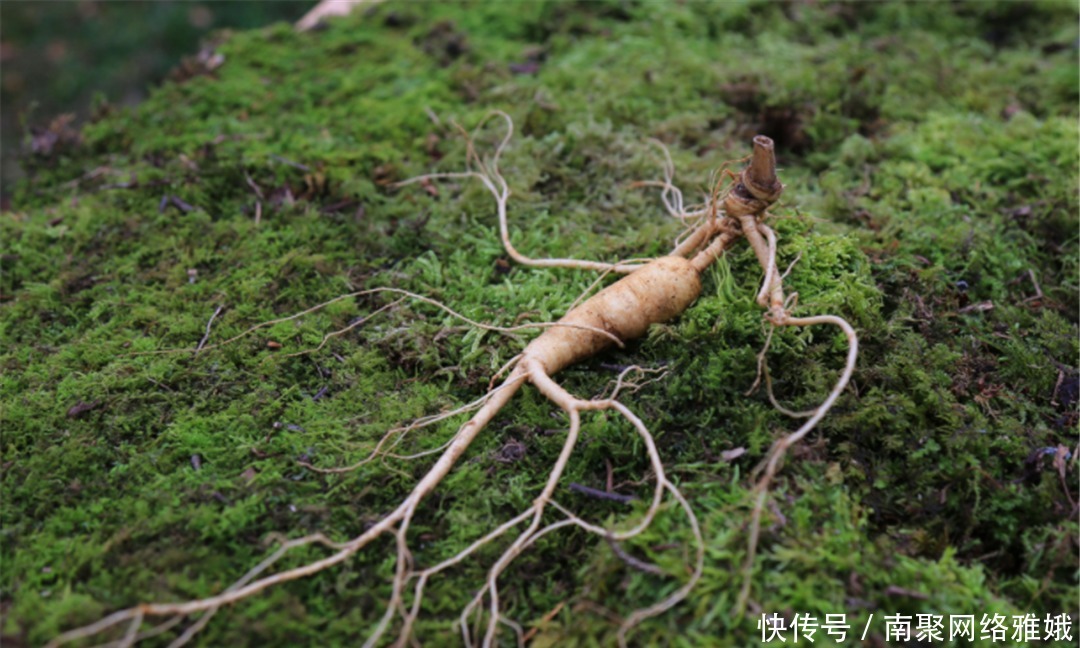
x: 760, y: 176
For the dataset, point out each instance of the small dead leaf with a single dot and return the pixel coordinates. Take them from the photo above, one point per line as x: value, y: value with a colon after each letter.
x: 188, y: 163
x: 183, y: 206
x: 273, y: 345
x: 893, y: 590
x: 733, y: 454
x: 855, y: 584
x: 1060, y: 457
x: 512, y: 451
x: 60, y: 135
x: 834, y: 474
x: 81, y: 408
x: 431, y: 147
x: 980, y: 307
x: 248, y: 475
x: 529, y: 67
x: 429, y: 187
x: 384, y: 174
x: 1011, y: 109
x: 202, y: 64
x: 315, y: 185
x: 339, y: 206
x: 167, y: 200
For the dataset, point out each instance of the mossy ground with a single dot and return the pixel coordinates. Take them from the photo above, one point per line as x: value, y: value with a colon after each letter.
x: 930, y: 158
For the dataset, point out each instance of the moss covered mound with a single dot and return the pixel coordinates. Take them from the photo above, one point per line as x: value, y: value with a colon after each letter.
x: 930, y: 158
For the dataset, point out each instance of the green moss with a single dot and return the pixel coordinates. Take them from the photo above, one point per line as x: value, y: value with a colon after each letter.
x: 929, y: 158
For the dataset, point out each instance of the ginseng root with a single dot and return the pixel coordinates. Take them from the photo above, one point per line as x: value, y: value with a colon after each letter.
x: 652, y: 292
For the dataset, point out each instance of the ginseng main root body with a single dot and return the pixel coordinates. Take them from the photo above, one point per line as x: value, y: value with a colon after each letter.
x: 650, y: 293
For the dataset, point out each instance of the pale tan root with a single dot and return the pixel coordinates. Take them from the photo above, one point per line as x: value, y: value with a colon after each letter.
x: 627, y: 309
x: 653, y: 292
x: 398, y: 433
x: 373, y: 291
x: 403, y: 513
x: 422, y: 576
x: 621, y: 382
x: 671, y: 195
x: 360, y: 321
x: 489, y: 175
x: 573, y: 407
x: 535, y: 373
x: 398, y: 521
x: 762, y: 365
x: 743, y: 207
x: 763, y: 241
